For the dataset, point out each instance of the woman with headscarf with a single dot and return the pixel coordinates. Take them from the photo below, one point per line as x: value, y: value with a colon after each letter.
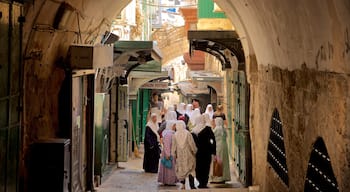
x: 208, y: 122
x: 181, y: 113
x: 184, y: 151
x: 152, y: 146
x: 195, y: 113
x: 189, y: 109
x: 169, y: 116
x: 209, y: 110
x: 221, y: 152
x: 167, y: 175
x: 206, y: 150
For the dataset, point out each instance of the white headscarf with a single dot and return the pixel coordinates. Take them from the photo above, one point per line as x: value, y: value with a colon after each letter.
x: 208, y: 121
x: 210, y: 113
x: 154, y: 126
x: 168, y: 129
x: 182, y: 108
x: 189, y: 110
x: 181, y: 133
x: 171, y: 108
x: 200, y: 124
x: 170, y: 115
x: 195, y: 113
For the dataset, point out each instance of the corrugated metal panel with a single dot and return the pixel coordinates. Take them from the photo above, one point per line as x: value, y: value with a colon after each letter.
x: 206, y: 10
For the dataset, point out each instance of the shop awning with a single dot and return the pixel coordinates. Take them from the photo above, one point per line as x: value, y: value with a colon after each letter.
x: 195, y: 61
x: 136, y: 55
x: 221, y: 44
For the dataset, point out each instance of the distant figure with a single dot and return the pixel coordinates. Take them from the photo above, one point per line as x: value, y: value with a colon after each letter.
x: 181, y: 111
x: 166, y: 175
x: 220, y: 113
x: 189, y: 109
x: 157, y: 107
x: 184, y: 150
x: 210, y: 111
x: 195, y: 113
x: 152, y: 146
x: 196, y: 105
x: 169, y: 116
x: 221, y: 152
x: 206, y: 150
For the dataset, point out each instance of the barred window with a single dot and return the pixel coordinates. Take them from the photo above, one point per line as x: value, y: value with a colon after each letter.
x: 276, y: 153
x: 320, y: 176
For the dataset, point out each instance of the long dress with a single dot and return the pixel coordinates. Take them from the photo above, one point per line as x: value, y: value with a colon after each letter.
x: 167, y: 176
x: 152, y: 152
x: 184, y: 150
x: 221, y: 152
x: 206, y: 148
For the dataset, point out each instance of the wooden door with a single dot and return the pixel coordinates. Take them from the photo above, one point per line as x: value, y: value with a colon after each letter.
x: 10, y: 95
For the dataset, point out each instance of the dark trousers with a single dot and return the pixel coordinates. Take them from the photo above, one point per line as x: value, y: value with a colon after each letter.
x: 191, y: 180
x: 202, y: 171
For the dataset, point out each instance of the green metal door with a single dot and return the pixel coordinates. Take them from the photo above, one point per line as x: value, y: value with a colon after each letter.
x: 10, y: 95
x: 101, y: 132
x: 140, y: 110
x: 144, y: 108
x: 242, y: 155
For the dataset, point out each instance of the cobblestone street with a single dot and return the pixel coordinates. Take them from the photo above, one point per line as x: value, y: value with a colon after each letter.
x: 129, y: 177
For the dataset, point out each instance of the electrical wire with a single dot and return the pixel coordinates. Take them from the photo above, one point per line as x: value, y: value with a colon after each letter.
x: 167, y: 6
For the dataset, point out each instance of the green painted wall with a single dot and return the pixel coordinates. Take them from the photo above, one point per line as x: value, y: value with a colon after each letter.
x: 205, y: 10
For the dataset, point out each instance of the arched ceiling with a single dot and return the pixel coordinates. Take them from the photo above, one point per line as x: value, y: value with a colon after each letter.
x: 289, y: 34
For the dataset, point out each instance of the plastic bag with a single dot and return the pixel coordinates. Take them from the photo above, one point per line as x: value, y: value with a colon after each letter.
x: 217, y: 167
x: 167, y: 162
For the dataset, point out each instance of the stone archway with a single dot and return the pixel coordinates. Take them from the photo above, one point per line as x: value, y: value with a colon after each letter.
x: 295, y: 49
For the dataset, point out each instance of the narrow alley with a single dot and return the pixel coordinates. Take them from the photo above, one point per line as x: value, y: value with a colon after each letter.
x: 84, y: 84
x: 130, y: 177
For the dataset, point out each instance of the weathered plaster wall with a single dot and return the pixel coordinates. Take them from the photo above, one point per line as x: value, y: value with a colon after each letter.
x: 311, y: 104
x: 172, y: 41
x: 298, y: 56
x: 45, y: 50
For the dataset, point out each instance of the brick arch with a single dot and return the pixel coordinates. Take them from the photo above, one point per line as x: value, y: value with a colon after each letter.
x: 171, y: 41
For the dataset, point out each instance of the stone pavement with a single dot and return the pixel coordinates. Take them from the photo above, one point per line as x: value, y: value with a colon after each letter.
x: 132, y: 178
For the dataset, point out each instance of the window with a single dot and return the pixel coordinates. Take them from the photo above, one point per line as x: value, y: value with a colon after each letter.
x: 276, y: 154
x: 320, y: 176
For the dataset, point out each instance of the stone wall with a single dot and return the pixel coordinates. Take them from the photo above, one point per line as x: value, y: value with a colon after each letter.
x: 172, y: 41
x: 45, y: 51
x: 298, y: 56
x: 311, y: 104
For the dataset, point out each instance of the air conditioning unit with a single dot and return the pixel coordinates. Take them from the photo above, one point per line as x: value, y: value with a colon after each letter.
x: 90, y: 57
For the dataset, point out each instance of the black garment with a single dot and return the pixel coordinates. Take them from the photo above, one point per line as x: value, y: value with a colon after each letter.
x: 162, y: 127
x: 222, y: 115
x: 178, y: 114
x: 206, y: 148
x: 191, y: 181
x: 152, y: 152
x: 186, y: 118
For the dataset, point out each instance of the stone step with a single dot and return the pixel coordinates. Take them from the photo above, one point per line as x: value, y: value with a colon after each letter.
x: 249, y: 189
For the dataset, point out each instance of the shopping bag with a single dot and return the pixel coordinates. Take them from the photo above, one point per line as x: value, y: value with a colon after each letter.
x: 217, y: 167
x: 167, y: 162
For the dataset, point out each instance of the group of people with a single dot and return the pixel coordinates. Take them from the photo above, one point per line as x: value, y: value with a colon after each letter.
x: 190, y: 143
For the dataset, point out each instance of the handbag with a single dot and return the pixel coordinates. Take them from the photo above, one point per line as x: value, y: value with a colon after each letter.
x: 167, y: 162
x: 217, y: 167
